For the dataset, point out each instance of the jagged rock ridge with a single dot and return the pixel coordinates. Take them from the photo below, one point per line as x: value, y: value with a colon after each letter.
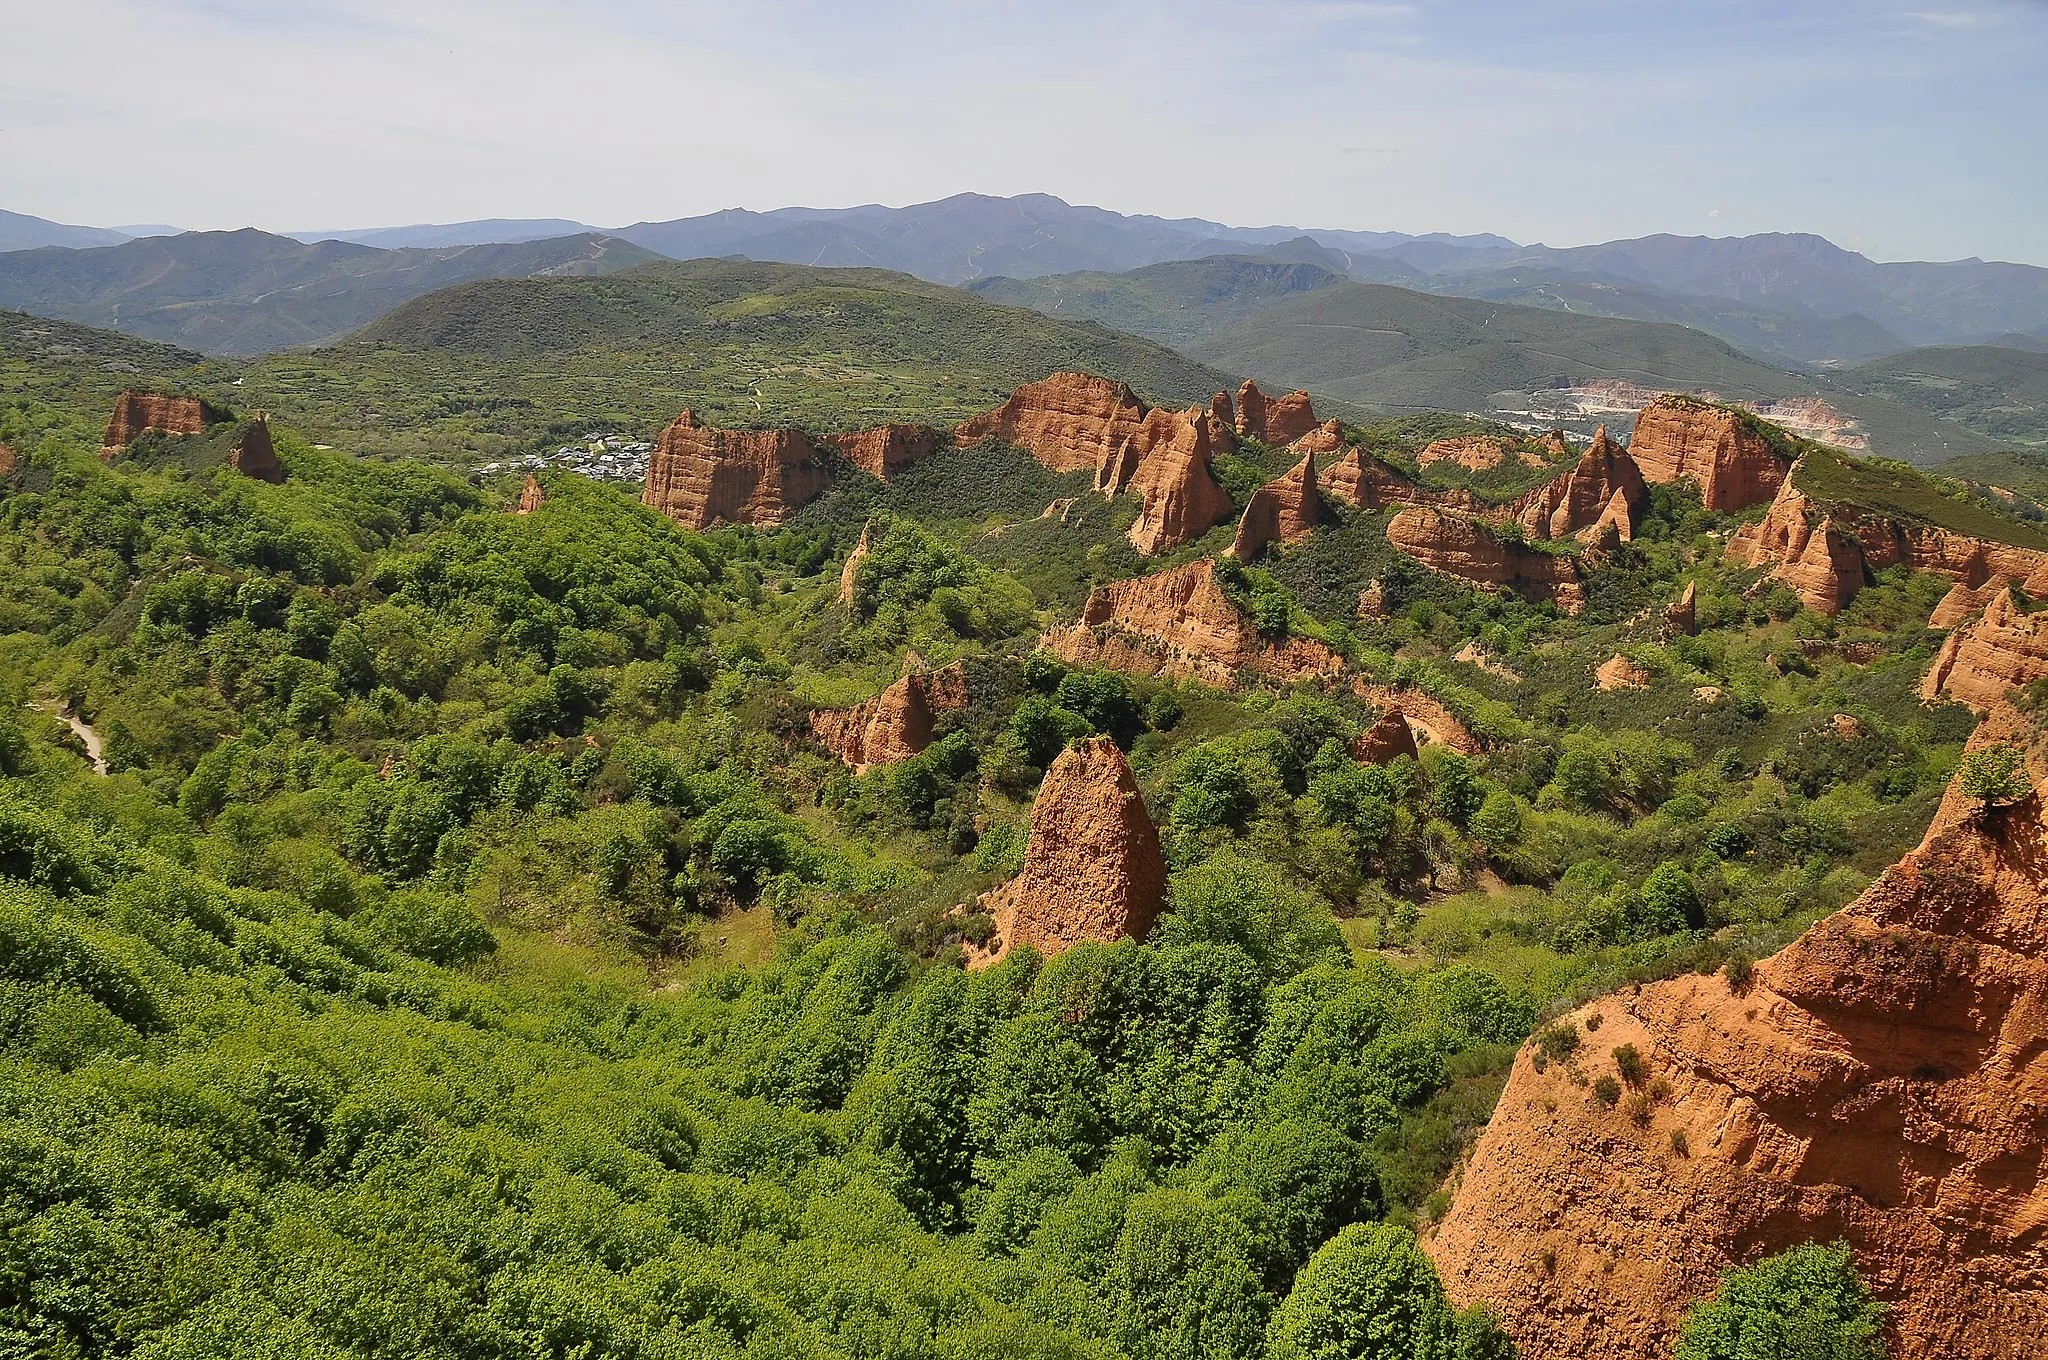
x: 1470, y: 550
x: 1284, y: 510
x: 1879, y: 1080
x: 1980, y: 663
x: 1273, y: 420
x: 897, y: 723
x: 1718, y: 448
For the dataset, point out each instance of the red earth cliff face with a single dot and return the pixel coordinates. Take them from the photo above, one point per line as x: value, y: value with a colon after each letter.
x: 1584, y: 498
x: 1803, y: 548
x: 1681, y: 618
x: 1469, y: 550
x: 1174, y: 479
x: 887, y: 449
x: 1273, y: 420
x: 851, y: 570
x: 1879, y: 1081
x: 1361, y: 480
x: 1284, y: 510
x: 1180, y: 623
x: 1071, y: 422
x: 1327, y: 437
x: 1982, y: 661
x: 1389, y: 737
x: 700, y: 476
x: 1678, y: 436
x: 254, y: 456
x: 1092, y: 866
x: 894, y: 725
x: 531, y: 496
x: 135, y: 412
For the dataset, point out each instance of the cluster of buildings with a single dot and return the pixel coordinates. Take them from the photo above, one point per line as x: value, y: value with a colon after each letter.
x: 606, y: 457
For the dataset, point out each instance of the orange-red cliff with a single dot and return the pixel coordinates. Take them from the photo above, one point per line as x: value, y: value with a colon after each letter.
x: 1604, y: 488
x: 1284, y: 510
x: 1719, y: 448
x: 894, y: 725
x: 1092, y: 865
x: 1881, y: 1080
x: 1180, y: 623
x: 1273, y: 420
x: 887, y: 449
x: 253, y: 455
x: 699, y: 475
x: 1998, y: 651
x: 137, y: 412
x: 1471, y: 551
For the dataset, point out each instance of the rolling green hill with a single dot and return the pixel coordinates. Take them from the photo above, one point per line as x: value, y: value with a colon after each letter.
x: 1181, y: 303
x: 509, y: 365
x: 1998, y: 392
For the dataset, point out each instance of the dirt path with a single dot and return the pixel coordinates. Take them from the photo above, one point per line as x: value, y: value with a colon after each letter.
x: 95, y: 750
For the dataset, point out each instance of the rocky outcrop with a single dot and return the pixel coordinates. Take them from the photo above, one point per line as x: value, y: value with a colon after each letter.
x: 1718, y: 448
x: 1981, y: 662
x: 1389, y: 737
x: 1361, y: 480
x: 1618, y: 672
x: 1478, y: 452
x: 1222, y: 424
x: 136, y: 413
x: 1827, y: 554
x: 894, y: 725
x: 1680, y: 619
x: 253, y: 455
x: 1172, y: 476
x: 1428, y: 719
x: 887, y: 449
x: 1470, y: 550
x: 1802, y: 546
x: 1878, y: 1081
x: 699, y: 475
x: 1180, y: 623
x: 1600, y: 494
x: 9, y: 459
x: 531, y: 496
x: 1070, y: 422
x: 1284, y: 510
x: 851, y: 571
x: 1092, y: 866
x: 1327, y: 437
x: 1273, y: 420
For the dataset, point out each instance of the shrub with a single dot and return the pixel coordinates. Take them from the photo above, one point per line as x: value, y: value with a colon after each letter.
x: 1996, y: 774
x: 1630, y: 1064
x: 1804, y: 1304
x: 1607, y: 1091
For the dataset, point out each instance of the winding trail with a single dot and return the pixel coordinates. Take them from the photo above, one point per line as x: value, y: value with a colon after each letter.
x: 95, y: 750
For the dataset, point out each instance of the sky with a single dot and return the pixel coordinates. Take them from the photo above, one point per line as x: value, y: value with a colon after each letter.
x: 1907, y: 131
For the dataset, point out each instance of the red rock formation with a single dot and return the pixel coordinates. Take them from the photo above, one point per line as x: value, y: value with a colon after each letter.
x: 1273, y: 420
x: 531, y: 496
x: 1428, y: 720
x: 859, y: 554
x: 1618, y: 672
x: 1222, y: 425
x: 1469, y: 550
x: 1680, y: 618
x: 1071, y: 422
x: 1284, y: 510
x: 1171, y: 472
x: 253, y: 455
x: 1327, y: 437
x: 9, y: 459
x: 1877, y: 1081
x: 1362, y: 480
x: 1585, y: 497
x: 1372, y: 601
x: 887, y: 449
x: 1556, y: 448
x: 1092, y: 867
x: 1180, y: 623
x: 1389, y: 737
x: 137, y: 412
x: 1980, y: 663
x: 1478, y: 452
x: 700, y: 476
x: 1679, y: 436
x: 894, y: 725
x: 1804, y: 549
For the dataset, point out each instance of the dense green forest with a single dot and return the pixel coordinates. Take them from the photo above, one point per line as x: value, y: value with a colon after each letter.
x: 470, y: 953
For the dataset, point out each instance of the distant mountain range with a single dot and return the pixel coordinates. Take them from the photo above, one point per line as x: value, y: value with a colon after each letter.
x: 248, y: 292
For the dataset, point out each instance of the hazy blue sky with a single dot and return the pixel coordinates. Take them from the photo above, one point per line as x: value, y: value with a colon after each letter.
x: 1911, y: 130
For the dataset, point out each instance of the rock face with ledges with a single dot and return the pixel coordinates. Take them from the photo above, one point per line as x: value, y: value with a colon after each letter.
x: 1720, y: 449
x: 253, y: 455
x: 1327, y: 437
x: 1584, y: 498
x: 1172, y: 474
x: 894, y: 725
x: 1802, y: 546
x: 1361, y: 480
x: 1070, y: 422
x: 1470, y: 550
x: 1879, y: 1081
x: 1981, y: 662
x: 1284, y: 510
x: 887, y: 449
x: 699, y: 475
x: 138, y: 412
x: 1092, y: 865
x: 1180, y: 623
x: 1273, y: 420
